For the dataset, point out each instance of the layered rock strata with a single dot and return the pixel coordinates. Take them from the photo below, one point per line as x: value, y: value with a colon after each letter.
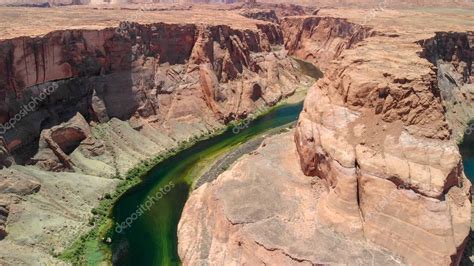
x: 391, y: 163
x: 162, y: 75
x: 263, y: 211
x: 321, y: 39
x: 377, y: 145
x: 452, y: 56
x: 96, y: 103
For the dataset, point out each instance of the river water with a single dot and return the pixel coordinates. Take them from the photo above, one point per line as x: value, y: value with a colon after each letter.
x: 152, y: 237
x: 467, y: 152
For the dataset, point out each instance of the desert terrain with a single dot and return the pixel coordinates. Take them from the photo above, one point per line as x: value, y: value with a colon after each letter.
x: 370, y: 174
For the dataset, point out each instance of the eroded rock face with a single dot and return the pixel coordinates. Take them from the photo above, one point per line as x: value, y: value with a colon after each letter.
x: 92, y: 104
x: 321, y: 39
x: 263, y: 211
x: 452, y: 56
x: 266, y: 15
x: 58, y: 142
x: 160, y: 74
x: 3, y: 219
x: 379, y: 137
x: 376, y: 141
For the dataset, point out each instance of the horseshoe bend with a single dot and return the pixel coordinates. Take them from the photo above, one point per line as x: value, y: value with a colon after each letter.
x: 236, y: 132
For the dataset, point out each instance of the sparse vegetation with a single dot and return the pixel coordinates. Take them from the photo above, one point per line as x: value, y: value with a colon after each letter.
x: 90, y: 248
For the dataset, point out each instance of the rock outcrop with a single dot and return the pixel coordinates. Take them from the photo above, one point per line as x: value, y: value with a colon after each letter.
x: 452, y: 56
x: 160, y: 74
x: 92, y: 104
x: 321, y: 39
x: 263, y: 211
x: 3, y: 219
x: 13, y: 186
x: 381, y: 141
x: 57, y: 142
x: 377, y: 145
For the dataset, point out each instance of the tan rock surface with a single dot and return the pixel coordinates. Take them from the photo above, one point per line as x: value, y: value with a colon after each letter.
x: 375, y: 133
x: 109, y: 100
x: 264, y: 211
x: 373, y: 123
x: 378, y: 131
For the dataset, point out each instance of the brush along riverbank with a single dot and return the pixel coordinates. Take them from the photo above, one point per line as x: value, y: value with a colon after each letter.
x: 93, y: 247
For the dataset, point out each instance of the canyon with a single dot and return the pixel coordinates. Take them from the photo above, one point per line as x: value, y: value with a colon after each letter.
x: 373, y: 174
x: 370, y: 174
x: 106, y: 100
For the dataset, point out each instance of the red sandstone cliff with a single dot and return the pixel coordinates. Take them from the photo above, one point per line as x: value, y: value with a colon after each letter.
x: 375, y: 142
x: 99, y: 102
x: 378, y: 135
x: 321, y: 39
x: 156, y: 73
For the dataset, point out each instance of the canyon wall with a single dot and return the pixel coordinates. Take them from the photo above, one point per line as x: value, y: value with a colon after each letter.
x: 375, y: 167
x: 150, y: 74
x: 264, y: 209
x: 321, y: 39
x: 92, y: 104
x: 452, y: 56
x: 380, y: 137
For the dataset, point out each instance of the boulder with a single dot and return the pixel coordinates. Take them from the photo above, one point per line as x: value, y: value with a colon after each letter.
x: 59, y: 141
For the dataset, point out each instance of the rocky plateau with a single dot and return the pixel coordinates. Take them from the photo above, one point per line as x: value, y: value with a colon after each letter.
x: 371, y: 173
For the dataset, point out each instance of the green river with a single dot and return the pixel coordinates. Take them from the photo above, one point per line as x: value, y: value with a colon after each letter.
x: 151, y: 239
x: 151, y: 210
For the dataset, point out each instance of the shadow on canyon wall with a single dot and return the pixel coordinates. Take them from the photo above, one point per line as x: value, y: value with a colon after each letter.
x: 83, y: 68
x: 155, y: 72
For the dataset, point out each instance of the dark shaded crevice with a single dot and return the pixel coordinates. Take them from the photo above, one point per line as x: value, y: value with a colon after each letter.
x: 358, y: 192
x: 450, y: 47
x: 299, y: 260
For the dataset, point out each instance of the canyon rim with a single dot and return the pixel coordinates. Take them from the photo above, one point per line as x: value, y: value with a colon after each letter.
x: 97, y: 97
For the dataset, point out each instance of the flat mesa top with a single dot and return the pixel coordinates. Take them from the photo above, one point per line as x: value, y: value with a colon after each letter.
x: 24, y: 21
x: 413, y: 21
